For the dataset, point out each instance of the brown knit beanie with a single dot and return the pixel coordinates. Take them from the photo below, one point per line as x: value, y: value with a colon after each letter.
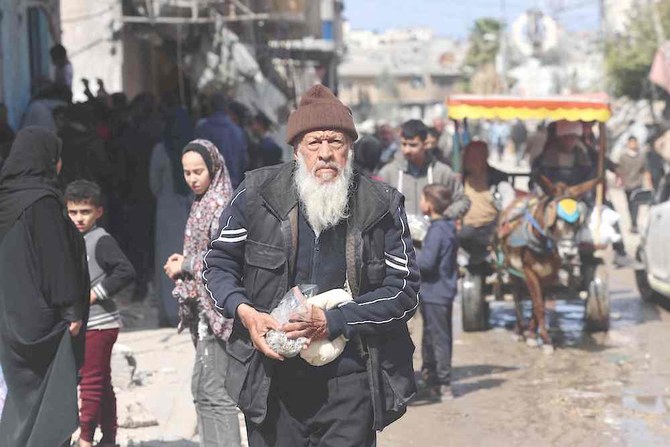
x: 319, y: 109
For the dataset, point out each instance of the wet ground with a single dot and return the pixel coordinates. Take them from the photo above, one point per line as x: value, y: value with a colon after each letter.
x: 603, y: 389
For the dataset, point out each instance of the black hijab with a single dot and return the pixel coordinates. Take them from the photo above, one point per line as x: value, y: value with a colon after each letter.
x: 28, y: 174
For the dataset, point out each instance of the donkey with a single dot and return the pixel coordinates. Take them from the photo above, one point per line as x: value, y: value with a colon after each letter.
x: 535, y: 235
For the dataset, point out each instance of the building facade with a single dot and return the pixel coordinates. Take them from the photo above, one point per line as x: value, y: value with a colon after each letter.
x: 399, y: 74
x: 28, y: 29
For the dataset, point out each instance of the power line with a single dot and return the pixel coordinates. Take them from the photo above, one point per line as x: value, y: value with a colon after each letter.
x: 90, y: 15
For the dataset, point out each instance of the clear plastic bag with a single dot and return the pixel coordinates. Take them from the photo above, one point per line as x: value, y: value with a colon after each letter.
x: 418, y: 226
x: 294, y: 303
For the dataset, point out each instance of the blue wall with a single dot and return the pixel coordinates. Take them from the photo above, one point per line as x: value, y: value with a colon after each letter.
x: 15, y: 47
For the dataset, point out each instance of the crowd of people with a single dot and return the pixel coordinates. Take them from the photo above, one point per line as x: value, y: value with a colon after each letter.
x: 163, y: 198
x: 131, y: 149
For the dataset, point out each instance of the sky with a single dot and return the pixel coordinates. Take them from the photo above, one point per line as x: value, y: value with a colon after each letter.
x: 454, y: 18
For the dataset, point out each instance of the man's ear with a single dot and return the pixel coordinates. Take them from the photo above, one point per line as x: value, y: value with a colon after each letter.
x: 99, y: 211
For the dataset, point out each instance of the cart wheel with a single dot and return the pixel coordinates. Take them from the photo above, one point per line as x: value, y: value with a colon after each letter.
x: 597, y: 314
x: 475, y: 309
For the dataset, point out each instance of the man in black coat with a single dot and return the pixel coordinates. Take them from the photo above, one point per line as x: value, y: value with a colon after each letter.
x: 317, y: 221
x: 43, y: 296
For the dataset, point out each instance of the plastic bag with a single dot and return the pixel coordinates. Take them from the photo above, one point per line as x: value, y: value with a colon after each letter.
x: 418, y: 226
x: 322, y: 352
x: 293, y: 303
x: 606, y: 230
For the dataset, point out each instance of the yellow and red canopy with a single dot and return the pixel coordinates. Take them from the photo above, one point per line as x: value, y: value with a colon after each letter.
x: 571, y: 108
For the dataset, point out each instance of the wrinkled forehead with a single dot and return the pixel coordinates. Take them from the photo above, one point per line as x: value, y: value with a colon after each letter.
x: 321, y: 134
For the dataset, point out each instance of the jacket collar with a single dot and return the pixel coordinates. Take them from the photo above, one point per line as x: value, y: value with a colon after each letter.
x: 279, y: 191
x: 367, y: 202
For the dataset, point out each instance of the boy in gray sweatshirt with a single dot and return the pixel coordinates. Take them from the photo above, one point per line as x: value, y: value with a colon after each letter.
x: 110, y: 272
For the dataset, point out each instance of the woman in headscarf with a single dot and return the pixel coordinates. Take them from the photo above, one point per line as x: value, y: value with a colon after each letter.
x: 206, y: 174
x: 43, y: 296
x: 172, y: 205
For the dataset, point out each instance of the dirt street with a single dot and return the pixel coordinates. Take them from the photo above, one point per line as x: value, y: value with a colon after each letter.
x: 605, y: 389
x: 596, y: 390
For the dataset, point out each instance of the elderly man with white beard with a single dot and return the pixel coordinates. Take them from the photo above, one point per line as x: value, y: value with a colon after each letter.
x: 317, y: 221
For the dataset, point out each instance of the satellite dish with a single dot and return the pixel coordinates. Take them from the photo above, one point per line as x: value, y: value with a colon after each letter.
x: 534, y: 33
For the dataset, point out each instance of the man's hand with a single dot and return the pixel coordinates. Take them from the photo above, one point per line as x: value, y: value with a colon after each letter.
x: 258, y: 324
x: 93, y: 297
x: 312, y: 326
x: 75, y: 327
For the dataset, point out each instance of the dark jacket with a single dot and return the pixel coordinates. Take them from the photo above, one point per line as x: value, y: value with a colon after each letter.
x: 253, y: 260
x: 655, y: 167
x: 230, y: 140
x: 570, y: 168
x: 437, y: 261
x: 43, y: 287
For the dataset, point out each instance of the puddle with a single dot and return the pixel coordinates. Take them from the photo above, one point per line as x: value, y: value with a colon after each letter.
x: 635, y: 432
x: 564, y: 318
x: 646, y: 404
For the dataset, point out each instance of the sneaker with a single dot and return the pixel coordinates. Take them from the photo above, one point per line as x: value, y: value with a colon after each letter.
x: 440, y: 393
x: 446, y: 392
x: 625, y: 261
x: 434, y: 394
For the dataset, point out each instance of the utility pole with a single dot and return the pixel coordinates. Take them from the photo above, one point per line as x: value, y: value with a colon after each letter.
x: 602, y: 14
x: 503, y: 45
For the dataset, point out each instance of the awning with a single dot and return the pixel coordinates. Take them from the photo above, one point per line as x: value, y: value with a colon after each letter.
x: 571, y: 108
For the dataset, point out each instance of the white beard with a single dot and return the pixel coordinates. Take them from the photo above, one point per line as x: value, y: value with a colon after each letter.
x: 324, y: 204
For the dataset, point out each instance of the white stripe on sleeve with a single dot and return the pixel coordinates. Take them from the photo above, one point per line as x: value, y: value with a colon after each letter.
x: 405, y: 261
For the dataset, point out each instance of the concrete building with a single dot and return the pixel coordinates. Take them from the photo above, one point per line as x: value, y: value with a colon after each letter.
x: 157, y: 45
x: 28, y: 29
x: 399, y: 74
x: 92, y: 34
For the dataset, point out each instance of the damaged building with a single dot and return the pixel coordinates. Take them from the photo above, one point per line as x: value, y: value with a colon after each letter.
x: 264, y: 53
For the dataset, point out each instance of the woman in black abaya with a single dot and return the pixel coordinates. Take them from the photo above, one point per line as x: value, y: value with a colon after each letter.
x: 43, y: 296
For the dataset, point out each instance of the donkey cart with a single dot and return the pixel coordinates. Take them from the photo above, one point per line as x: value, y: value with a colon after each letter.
x: 544, y: 240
